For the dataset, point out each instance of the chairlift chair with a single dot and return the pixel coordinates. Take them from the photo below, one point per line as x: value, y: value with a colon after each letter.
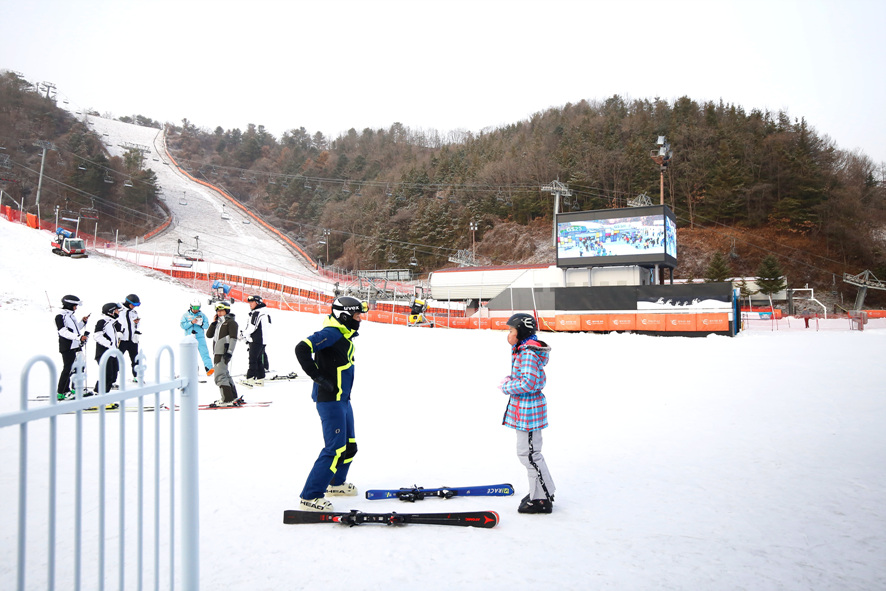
x: 413, y: 262
x: 127, y: 183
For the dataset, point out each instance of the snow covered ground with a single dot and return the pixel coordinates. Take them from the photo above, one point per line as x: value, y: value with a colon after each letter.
x: 754, y: 462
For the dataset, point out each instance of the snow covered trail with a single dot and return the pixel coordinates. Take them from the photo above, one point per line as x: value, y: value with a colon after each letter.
x: 754, y: 462
x: 197, y: 211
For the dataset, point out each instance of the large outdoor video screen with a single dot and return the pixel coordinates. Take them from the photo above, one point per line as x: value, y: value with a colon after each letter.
x: 607, y: 237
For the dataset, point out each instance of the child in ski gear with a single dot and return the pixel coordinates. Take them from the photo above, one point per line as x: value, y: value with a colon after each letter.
x: 327, y: 356
x: 70, y: 340
x: 129, y: 329
x: 223, y: 331
x: 106, y: 337
x: 255, y: 334
x: 195, y: 322
x: 527, y: 410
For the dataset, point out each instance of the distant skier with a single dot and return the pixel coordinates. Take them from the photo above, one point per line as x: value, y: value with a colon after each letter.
x: 129, y: 332
x: 71, y: 338
x: 106, y: 337
x: 195, y: 322
x: 327, y: 356
x: 256, y: 333
x: 527, y: 410
x: 223, y: 331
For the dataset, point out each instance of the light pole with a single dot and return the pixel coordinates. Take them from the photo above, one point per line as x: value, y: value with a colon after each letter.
x: 473, y: 226
x: 662, y: 156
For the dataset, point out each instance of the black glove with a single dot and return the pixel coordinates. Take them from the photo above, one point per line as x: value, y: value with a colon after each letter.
x: 325, y: 383
x: 227, y: 357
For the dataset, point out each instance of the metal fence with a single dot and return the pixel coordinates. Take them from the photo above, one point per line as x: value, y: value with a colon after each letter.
x: 98, y: 505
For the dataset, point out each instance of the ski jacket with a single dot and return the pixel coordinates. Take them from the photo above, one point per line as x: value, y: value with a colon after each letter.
x: 128, y: 325
x: 68, y: 331
x: 328, y: 355
x: 189, y: 327
x: 256, y: 328
x: 527, y: 407
x: 224, y: 335
x: 106, y: 335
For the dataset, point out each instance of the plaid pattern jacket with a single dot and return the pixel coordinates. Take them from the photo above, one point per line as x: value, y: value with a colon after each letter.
x: 527, y: 408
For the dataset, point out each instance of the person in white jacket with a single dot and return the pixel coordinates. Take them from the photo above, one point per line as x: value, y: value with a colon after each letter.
x: 71, y: 339
x: 107, y: 336
x: 256, y: 332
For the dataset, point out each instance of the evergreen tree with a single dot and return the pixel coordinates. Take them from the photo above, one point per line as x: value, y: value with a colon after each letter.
x: 770, y: 277
x: 718, y: 269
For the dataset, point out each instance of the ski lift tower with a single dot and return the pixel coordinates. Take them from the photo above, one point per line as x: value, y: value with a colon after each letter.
x: 557, y: 189
x: 863, y: 281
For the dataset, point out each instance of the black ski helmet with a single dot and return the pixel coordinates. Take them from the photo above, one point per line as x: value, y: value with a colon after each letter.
x: 109, y: 308
x: 254, y: 298
x: 133, y: 300
x: 524, y: 323
x: 69, y: 301
x: 344, y: 308
x: 223, y: 305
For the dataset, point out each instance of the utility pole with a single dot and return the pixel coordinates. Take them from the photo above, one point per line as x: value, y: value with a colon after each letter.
x: 473, y: 227
x: 557, y: 189
x: 46, y: 146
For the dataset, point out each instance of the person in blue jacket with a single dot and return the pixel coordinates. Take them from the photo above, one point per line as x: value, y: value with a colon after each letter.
x: 527, y: 410
x: 195, y: 322
x: 327, y: 356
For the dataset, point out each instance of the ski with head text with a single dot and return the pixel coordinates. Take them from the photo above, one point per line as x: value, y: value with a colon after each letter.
x: 484, y: 519
x: 417, y: 493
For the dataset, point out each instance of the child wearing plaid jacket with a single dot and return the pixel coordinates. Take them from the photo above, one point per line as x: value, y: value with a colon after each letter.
x: 527, y: 410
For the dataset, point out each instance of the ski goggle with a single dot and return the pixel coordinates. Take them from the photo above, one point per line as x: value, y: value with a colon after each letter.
x: 195, y: 308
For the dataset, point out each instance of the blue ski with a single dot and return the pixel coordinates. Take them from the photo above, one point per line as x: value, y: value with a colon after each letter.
x: 417, y: 493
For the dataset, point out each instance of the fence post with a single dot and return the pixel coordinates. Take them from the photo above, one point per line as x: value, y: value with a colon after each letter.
x: 190, y: 493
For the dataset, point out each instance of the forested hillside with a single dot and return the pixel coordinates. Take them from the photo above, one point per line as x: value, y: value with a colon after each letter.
x: 748, y: 183
x: 742, y: 183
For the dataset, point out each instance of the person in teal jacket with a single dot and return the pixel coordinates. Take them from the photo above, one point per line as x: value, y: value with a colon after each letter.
x: 327, y: 356
x: 195, y: 322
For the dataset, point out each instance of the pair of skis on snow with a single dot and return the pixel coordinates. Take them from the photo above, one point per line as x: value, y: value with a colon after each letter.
x: 484, y: 519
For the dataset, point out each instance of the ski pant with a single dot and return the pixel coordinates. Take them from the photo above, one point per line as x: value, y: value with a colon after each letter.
x: 201, y: 347
x: 541, y: 485
x: 111, y: 370
x: 340, y: 447
x: 64, y: 379
x: 257, y: 361
x: 224, y: 381
x: 131, y: 348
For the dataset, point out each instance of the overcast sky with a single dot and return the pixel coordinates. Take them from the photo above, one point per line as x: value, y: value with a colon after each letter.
x: 333, y: 64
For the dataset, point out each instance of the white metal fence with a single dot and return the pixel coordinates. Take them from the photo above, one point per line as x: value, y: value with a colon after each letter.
x: 69, y: 538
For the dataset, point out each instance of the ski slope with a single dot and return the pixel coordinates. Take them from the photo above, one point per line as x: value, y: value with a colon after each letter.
x: 197, y: 211
x: 754, y: 462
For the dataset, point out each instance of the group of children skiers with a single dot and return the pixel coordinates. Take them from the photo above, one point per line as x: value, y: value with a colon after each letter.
x: 327, y: 357
x: 116, y: 329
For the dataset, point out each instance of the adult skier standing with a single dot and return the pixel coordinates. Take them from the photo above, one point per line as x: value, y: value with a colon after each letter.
x: 70, y: 341
x: 129, y: 329
x: 527, y: 410
x: 195, y: 322
x: 255, y: 333
x: 327, y: 356
x: 223, y: 331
